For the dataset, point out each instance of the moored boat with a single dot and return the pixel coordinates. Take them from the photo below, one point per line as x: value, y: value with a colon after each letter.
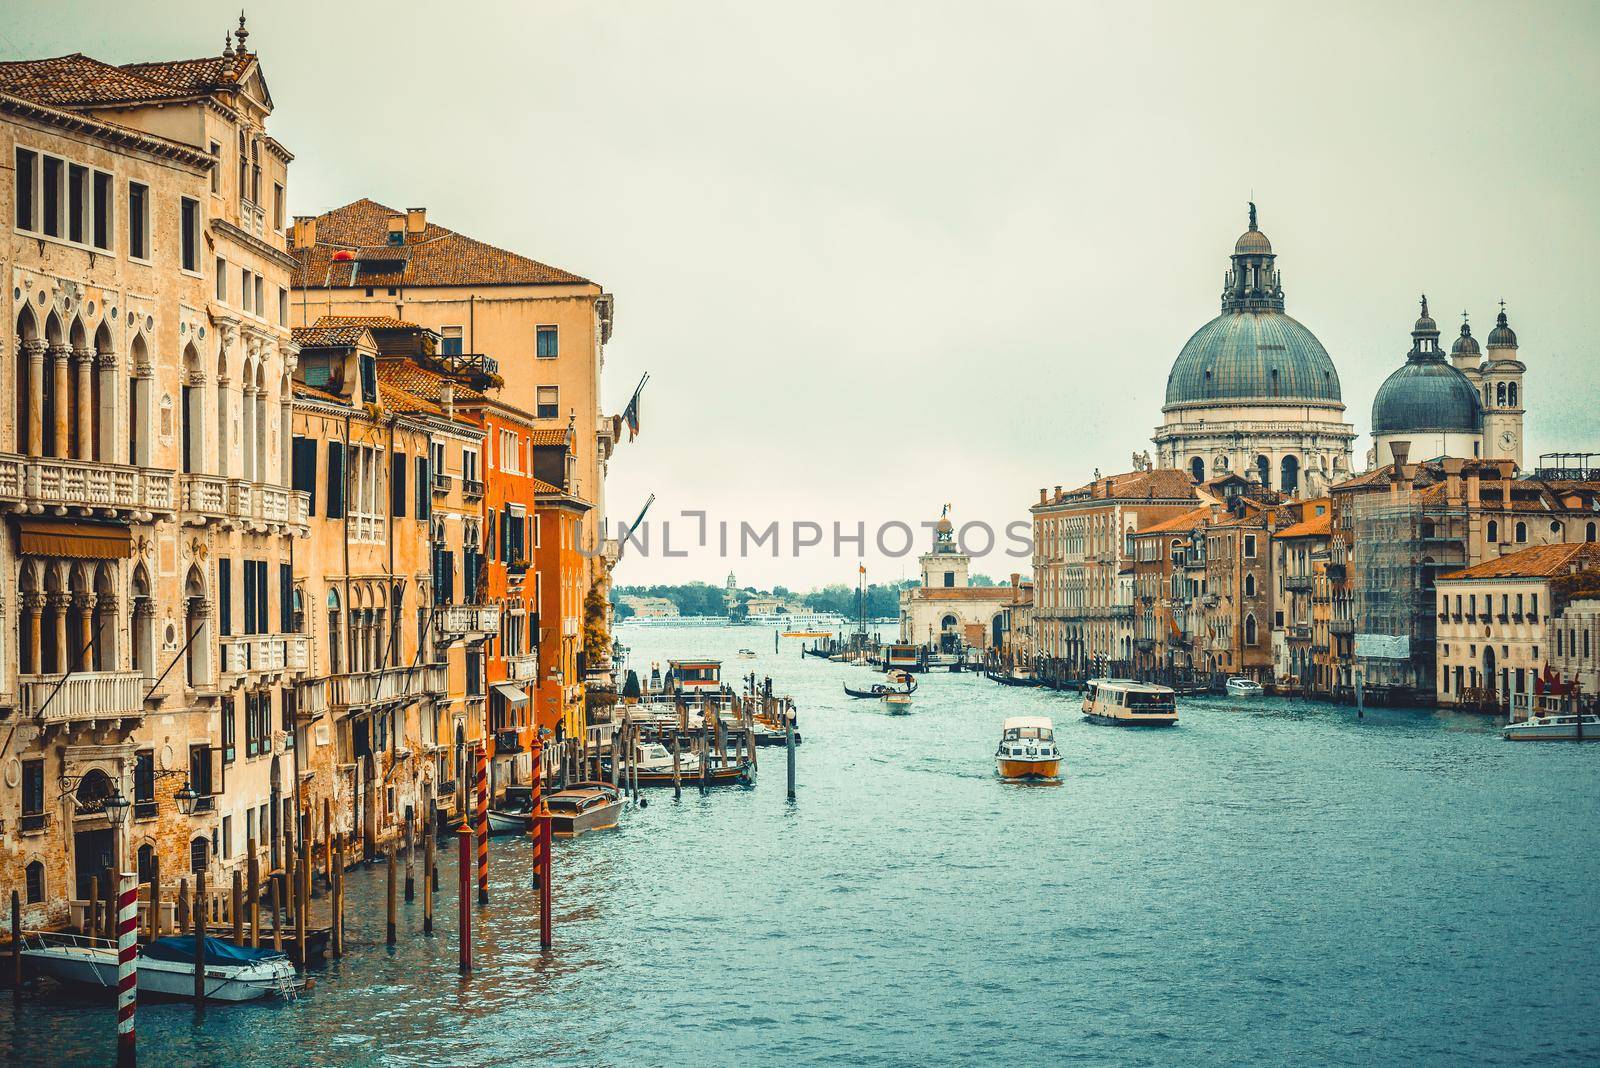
x: 1028, y: 749
x: 165, y: 967
x: 1556, y: 727
x: 584, y: 807
x: 655, y: 768
x: 898, y: 704
x: 1239, y: 686
x: 1127, y: 703
x: 903, y: 683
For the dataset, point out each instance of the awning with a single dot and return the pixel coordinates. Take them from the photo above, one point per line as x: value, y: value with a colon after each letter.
x: 82, y: 541
x: 514, y: 697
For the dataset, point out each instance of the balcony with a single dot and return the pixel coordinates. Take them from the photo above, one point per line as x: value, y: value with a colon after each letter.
x: 390, y: 686
x: 85, y: 696
x: 1144, y: 645
x: 236, y: 500
x: 1298, y: 583
x: 472, y: 489
x: 441, y: 483
x: 1342, y: 626
x: 1300, y: 632
x: 310, y: 698
x: 265, y: 653
x: 85, y: 485
x: 460, y: 620
x: 523, y: 668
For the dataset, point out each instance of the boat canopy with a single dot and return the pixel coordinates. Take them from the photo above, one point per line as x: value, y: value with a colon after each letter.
x: 1018, y: 722
x: 179, y: 949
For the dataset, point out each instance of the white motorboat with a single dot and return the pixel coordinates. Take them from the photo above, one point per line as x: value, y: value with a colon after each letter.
x: 165, y: 966
x: 1239, y: 686
x: 1127, y: 703
x: 897, y: 704
x: 1558, y: 727
x: 1028, y: 749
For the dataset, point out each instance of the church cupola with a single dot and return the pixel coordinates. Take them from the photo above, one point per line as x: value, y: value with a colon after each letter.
x: 1502, y: 337
x: 1253, y: 284
x: 1425, y: 337
x: 1465, y: 353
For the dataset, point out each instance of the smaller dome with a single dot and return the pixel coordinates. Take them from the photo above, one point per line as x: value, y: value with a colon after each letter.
x: 1252, y: 243
x: 1466, y: 344
x: 1426, y: 395
x: 1425, y: 324
x: 1502, y: 336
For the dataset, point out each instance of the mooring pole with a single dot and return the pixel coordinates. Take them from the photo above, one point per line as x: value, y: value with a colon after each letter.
x: 483, y: 824
x: 788, y: 741
x: 546, y: 878
x: 411, y: 865
x: 199, y: 914
x: 127, y: 967
x: 464, y: 894
x: 389, y: 893
x: 253, y: 891
x: 16, y: 947
x: 427, y: 882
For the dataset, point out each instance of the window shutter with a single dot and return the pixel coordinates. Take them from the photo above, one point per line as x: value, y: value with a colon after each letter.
x: 250, y: 597
x: 505, y: 535
x: 224, y: 596
x: 397, y: 484
x: 424, y: 501
x: 335, y: 480
x: 262, y: 625
x: 285, y: 598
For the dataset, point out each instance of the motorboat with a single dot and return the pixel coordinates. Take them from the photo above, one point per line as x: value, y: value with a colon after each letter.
x: 1028, y: 749
x: 1008, y: 679
x: 1127, y: 703
x: 584, y: 807
x: 747, y: 654
x: 511, y: 815
x: 1555, y: 727
x: 1239, y: 686
x: 898, y: 704
x: 165, y: 967
x: 654, y: 764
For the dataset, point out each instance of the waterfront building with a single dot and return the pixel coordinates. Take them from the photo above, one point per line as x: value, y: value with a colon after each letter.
x: 650, y: 607
x: 1495, y: 621
x: 1237, y: 598
x: 1253, y: 392
x: 1573, y: 644
x: 1299, y: 578
x: 1083, y: 611
x: 1016, y: 626
x: 561, y: 587
x: 945, y: 612
x: 146, y: 638
x: 1168, y: 579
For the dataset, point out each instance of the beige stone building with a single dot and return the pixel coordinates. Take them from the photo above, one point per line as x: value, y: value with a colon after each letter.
x: 145, y: 643
x: 946, y: 613
x: 1495, y: 622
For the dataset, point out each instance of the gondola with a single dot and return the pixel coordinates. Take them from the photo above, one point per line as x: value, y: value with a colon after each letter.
x: 880, y: 690
x: 823, y: 653
x: 1011, y: 680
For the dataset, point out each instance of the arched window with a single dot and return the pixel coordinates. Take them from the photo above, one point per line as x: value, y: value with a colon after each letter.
x: 199, y: 853
x: 1588, y: 532
x: 1522, y: 531
x: 1500, y: 394
x: 35, y: 880
x: 1249, y: 585
x: 1511, y: 394
x: 1289, y: 478
x: 334, y: 657
x: 1197, y: 469
x: 1494, y: 532
x: 1250, y: 630
x: 147, y: 863
x: 1264, y: 469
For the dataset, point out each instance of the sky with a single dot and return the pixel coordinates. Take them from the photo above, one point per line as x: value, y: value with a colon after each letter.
x: 881, y: 257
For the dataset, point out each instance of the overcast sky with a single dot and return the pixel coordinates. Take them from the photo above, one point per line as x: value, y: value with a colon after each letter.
x: 877, y: 257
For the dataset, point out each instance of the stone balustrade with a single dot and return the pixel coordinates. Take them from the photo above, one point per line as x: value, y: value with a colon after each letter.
x: 360, y: 689
x: 84, y: 696
x: 216, y: 497
x: 85, y: 484
x: 460, y: 619
x: 265, y: 653
x: 524, y: 668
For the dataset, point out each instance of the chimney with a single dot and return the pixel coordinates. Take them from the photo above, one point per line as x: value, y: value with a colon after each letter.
x: 416, y: 220
x: 305, y: 231
x: 1041, y: 494
x: 1452, y: 481
x: 447, y: 398
x: 397, y: 230
x: 1473, y: 487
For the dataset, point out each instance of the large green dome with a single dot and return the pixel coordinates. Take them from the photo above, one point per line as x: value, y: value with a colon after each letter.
x: 1253, y: 355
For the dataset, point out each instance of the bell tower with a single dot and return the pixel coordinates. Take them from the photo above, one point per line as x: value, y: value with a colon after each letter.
x: 1501, y: 382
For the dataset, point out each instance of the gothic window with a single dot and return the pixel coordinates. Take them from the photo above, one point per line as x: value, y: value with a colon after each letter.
x: 1249, y: 585
x: 1250, y: 630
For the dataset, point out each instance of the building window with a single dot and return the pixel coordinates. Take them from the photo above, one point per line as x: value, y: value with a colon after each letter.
x: 277, y: 206
x: 144, y: 784
x: 546, y: 343
x: 27, y: 180
x: 246, y: 290
x: 222, y: 280
x: 548, y: 403
x: 100, y: 222
x: 450, y: 341
x: 1522, y: 531
x: 33, y: 814
x: 1250, y: 630
x: 189, y: 234
x: 1494, y: 532
x: 138, y: 221
x: 1249, y: 546
x: 229, y: 727
x: 1249, y: 585
x: 35, y: 882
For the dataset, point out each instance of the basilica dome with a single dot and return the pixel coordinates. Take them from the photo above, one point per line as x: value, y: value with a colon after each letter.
x: 1253, y: 355
x: 1426, y: 394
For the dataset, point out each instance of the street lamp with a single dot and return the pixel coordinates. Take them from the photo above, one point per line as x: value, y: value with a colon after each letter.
x: 116, y: 808
x: 186, y: 797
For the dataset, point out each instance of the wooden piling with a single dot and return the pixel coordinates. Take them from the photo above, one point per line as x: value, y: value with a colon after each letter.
x: 428, y: 876
x: 253, y: 892
x: 433, y: 832
x: 411, y: 853
x: 327, y: 844
x: 546, y: 878
x: 788, y: 741
x: 155, y: 896
x: 483, y: 823
x: 677, y: 767
x: 336, y: 918
x: 16, y: 945
x: 272, y: 904
x: 183, y: 906
x: 389, y: 892
x: 109, y: 913
x: 236, y: 907
x: 464, y: 895
x: 91, y: 918
x: 199, y: 940
x: 302, y: 911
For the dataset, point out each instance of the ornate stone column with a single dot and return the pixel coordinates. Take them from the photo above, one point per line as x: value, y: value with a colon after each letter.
x: 61, y: 602
x: 59, y: 356
x: 86, y: 635
x: 106, y: 620
x: 35, y: 350
x: 84, y: 359
x: 143, y: 627
x: 33, y: 604
x: 107, y: 422
x: 249, y: 436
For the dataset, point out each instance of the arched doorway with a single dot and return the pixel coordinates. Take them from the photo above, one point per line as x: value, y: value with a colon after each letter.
x: 93, y: 842
x: 1489, y: 674
x: 997, y: 630
x: 949, y: 634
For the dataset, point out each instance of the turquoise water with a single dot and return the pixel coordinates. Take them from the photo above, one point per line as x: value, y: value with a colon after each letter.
x: 1268, y: 882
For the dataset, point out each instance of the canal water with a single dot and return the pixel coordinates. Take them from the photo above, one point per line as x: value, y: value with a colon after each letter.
x: 1271, y: 881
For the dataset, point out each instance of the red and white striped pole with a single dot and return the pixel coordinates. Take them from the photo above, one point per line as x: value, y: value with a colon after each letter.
x: 541, y: 843
x: 483, y: 823
x: 127, y: 966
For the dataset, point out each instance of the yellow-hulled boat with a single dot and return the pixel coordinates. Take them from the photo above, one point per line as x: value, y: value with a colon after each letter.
x: 1028, y: 749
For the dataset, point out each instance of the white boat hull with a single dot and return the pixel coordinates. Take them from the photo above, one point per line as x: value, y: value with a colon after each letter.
x: 1243, y: 689
x: 1554, y: 729
x: 88, y: 966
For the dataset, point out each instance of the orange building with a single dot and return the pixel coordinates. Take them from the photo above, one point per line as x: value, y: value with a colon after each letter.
x: 560, y: 584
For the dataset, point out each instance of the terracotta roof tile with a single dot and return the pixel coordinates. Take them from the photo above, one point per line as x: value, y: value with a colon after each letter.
x: 1186, y: 521
x: 313, y: 393
x: 436, y: 257
x: 548, y: 437
x: 316, y: 336
x: 421, y: 382
x: 1539, y: 561
x: 78, y: 80
x: 397, y: 399
x: 371, y: 322
x: 1316, y: 526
